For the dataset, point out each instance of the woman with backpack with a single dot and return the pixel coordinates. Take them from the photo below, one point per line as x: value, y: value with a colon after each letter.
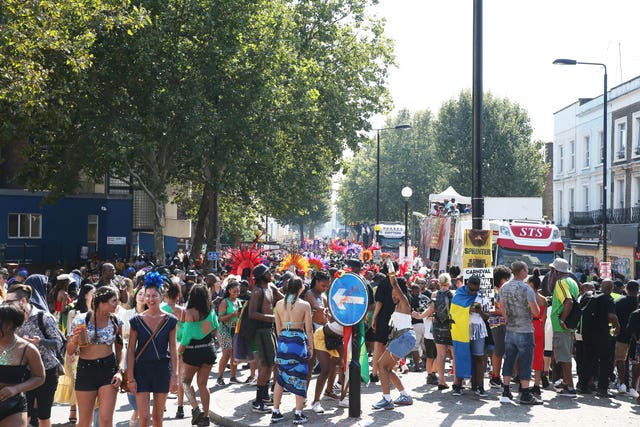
x: 441, y: 325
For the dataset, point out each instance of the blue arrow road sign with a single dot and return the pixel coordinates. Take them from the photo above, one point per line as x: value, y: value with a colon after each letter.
x: 348, y: 299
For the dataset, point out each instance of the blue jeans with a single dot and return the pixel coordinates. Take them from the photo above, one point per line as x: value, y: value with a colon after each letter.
x: 518, y: 346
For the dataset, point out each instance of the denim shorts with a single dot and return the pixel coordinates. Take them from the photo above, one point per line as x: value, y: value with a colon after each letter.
x: 402, y: 345
x: 477, y: 347
x: 518, y: 345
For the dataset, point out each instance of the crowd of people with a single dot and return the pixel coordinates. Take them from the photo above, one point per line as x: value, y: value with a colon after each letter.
x: 80, y: 337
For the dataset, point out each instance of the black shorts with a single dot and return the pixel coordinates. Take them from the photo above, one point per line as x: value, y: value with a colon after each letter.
x: 200, y: 352
x: 14, y: 405
x: 93, y: 374
x: 381, y: 334
x: 442, y: 336
x: 44, y: 395
x: 430, y: 349
x: 153, y: 377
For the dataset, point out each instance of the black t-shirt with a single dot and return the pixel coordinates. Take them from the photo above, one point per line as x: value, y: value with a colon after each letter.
x: 418, y: 303
x: 633, y: 325
x: 624, y: 307
x: 599, y: 327
x: 383, y: 295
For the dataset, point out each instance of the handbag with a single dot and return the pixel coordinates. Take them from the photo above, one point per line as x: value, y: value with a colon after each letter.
x: 241, y: 351
x: 124, y: 384
x: 248, y: 326
x: 331, y: 341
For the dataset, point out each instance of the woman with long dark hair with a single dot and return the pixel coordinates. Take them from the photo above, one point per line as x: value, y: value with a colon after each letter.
x: 403, y: 341
x: 228, y: 314
x: 197, y: 352
x: 155, y: 370
x: 81, y: 306
x: 21, y: 367
x: 294, y: 348
x: 170, y: 305
x: 97, y: 337
x: 538, y: 332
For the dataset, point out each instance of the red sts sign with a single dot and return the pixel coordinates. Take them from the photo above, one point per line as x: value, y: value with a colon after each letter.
x: 530, y: 231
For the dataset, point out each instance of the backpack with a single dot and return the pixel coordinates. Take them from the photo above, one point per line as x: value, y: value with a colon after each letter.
x: 573, y: 319
x: 60, y: 351
x: 442, y: 309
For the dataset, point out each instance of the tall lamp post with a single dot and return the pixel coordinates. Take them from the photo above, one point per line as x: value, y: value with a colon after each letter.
x: 405, y: 126
x: 564, y: 61
x: 406, y: 194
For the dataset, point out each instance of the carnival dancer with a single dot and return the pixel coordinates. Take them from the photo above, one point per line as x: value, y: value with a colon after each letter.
x: 401, y: 343
x: 294, y: 348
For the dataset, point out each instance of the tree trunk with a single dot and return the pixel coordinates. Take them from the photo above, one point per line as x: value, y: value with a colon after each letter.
x: 158, y: 230
x: 312, y: 231
x: 213, y: 237
x: 201, y: 225
x: 301, y: 232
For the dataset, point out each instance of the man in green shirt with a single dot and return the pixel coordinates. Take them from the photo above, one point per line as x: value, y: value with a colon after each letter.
x: 564, y: 289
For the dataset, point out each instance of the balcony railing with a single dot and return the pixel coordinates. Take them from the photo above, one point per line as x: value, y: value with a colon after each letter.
x: 614, y: 216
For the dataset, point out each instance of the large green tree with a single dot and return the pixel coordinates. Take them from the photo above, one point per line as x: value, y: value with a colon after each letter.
x: 512, y: 164
x: 406, y: 159
x: 221, y: 94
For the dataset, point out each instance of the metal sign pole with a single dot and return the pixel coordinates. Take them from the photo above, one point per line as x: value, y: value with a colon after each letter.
x: 354, y: 374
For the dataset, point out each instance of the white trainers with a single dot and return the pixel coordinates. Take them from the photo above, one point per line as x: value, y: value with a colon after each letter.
x: 317, y: 408
x: 622, y: 388
x: 344, y: 403
x: 633, y: 392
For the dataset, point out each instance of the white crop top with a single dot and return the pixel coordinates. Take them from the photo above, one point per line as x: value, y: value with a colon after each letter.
x: 401, y: 320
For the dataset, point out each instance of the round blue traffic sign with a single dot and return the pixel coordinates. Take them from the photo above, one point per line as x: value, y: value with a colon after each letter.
x: 348, y: 299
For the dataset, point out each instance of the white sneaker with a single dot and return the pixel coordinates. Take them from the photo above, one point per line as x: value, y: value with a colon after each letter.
x: 344, y: 403
x: 622, y: 388
x: 633, y: 393
x: 317, y: 408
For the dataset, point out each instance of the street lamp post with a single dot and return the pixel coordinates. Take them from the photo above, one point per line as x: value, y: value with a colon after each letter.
x: 406, y: 194
x: 564, y: 61
x: 405, y: 126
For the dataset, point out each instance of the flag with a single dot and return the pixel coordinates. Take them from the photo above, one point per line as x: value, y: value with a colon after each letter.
x: 348, y: 354
x: 460, y: 336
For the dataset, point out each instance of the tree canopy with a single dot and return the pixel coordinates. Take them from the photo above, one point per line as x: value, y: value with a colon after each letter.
x: 435, y: 154
x: 249, y: 100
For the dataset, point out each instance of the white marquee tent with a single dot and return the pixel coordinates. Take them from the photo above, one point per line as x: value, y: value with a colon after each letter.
x: 449, y: 194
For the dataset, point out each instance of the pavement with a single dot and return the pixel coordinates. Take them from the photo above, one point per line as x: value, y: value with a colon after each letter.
x: 231, y: 406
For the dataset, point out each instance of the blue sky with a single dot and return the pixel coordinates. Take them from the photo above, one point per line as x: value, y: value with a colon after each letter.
x: 433, y: 41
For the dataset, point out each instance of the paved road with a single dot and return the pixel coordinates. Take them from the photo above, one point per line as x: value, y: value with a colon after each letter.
x: 231, y: 407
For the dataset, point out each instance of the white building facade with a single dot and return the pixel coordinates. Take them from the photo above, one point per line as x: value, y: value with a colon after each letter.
x: 577, y: 177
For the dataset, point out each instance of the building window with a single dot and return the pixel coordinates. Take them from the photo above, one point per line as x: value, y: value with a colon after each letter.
x: 619, y: 194
x: 571, y: 200
x: 635, y: 134
x: 600, y: 196
x: 25, y: 226
x: 587, y: 151
x: 636, y: 192
x: 586, y: 198
x: 601, y: 140
x: 560, y: 207
x: 92, y: 233
x: 560, y: 159
x: 572, y: 155
x: 621, y: 139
